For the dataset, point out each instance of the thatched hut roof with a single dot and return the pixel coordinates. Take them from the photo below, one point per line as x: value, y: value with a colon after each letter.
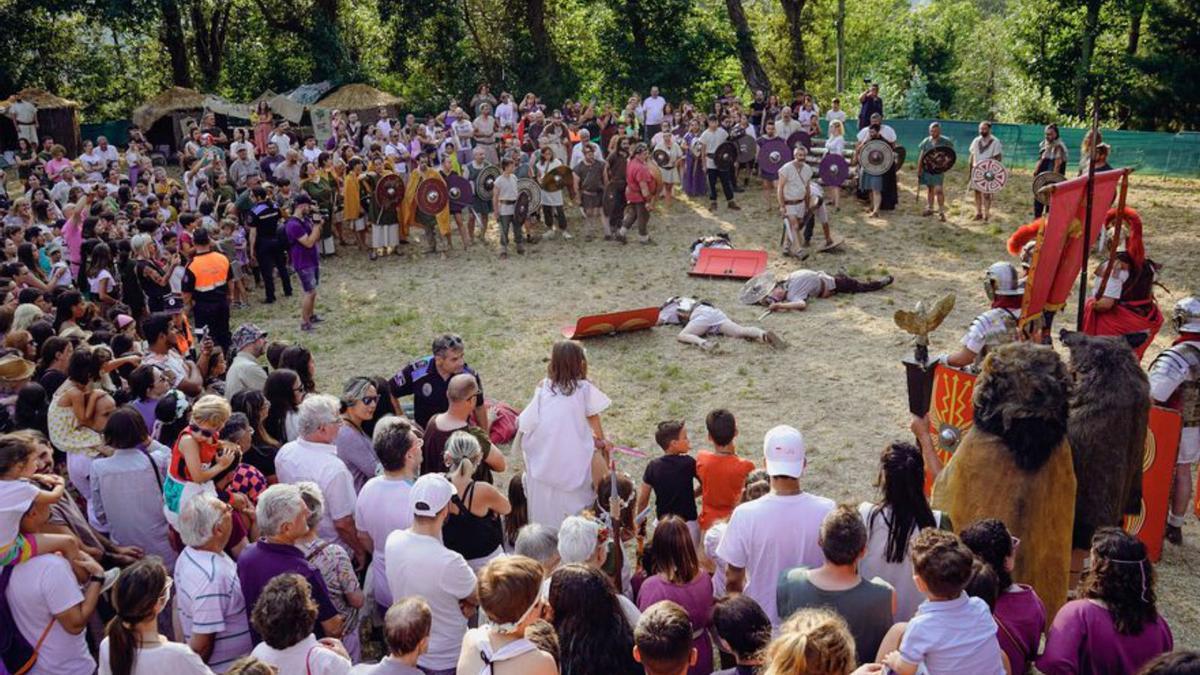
x: 43, y: 99
x: 358, y: 97
x: 175, y: 98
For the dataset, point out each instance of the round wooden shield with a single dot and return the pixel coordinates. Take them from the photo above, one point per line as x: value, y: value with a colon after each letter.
x: 432, y: 196
x: 773, y: 153
x: 876, y: 157
x: 662, y: 158
x: 726, y: 155
x: 556, y: 179
x: 389, y: 191
x: 800, y: 138
x: 460, y: 191
x: 1042, y: 180
x: 697, y: 148
x: 939, y: 160
x: 614, y: 198
x: 746, y: 149
x: 656, y: 174
x: 521, y: 208
x: 989, y: 176
x: 485, y: 179
x: 529, y: 186
x: 901, y: 153
x: 834, y: 170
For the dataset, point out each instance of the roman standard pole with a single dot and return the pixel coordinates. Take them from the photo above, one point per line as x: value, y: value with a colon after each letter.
x: 1087, y: 217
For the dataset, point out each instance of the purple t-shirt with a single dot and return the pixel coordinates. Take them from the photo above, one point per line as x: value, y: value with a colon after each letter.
x: 1021, y: 619
x: 1083, y: 639
x: 697, y: 599
x: 262, y: 561
x: 303, y: 257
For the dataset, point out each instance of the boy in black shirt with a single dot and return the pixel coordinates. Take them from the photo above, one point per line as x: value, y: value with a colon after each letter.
x: 672, y: 477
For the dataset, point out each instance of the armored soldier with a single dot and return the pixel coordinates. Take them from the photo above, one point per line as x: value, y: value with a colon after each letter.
x: 998, y: 325
x: 1175, y: 382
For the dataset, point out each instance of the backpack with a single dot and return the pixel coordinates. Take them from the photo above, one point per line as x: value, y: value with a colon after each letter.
x: 16, y: 655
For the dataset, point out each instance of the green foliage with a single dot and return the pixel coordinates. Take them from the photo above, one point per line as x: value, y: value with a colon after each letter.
x: 917, y: 102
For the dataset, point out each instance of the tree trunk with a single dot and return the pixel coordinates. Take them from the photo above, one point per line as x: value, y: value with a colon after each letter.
x: 1083, y: 74
x: 637, y: 27
x: 535, y: 21
x: 330, y: 54
x: 841, y: 46
x: 752, y: 69
x: 174, y: 40
x: 209, y: 38
x: 793, y: 11
x: 1136, y: 11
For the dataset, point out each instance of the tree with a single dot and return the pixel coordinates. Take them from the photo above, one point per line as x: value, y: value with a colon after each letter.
x: 210, y: 27
x: 172, y: 37
x: 793, y: 12
x: 752, y: 69
x: 917, y: 103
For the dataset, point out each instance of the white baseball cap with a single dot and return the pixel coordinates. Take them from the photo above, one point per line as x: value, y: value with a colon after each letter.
x: 783, y: 447
x: 430, y: 494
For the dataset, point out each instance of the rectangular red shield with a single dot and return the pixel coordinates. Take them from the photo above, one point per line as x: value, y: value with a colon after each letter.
x: 1158, y: 472
x: 950, y: 412
x: 729, y: 263
x: 613, y: 322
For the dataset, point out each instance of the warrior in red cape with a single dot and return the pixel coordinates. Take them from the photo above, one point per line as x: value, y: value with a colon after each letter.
x: 1122, y: 304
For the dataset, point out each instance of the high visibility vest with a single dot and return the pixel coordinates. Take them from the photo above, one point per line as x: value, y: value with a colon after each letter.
x: 211, y: 271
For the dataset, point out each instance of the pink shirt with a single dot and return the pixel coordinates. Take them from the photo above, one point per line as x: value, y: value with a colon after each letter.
x: 72, y: 233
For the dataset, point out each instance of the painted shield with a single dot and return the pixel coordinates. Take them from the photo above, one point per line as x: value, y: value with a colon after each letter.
x: 697, y: 148
x: 662, y: 158
x: 989, y: 176
x: 1158, y: 472
x: 773, y: 154
x: 389, y: 191
x: 432, y: 196
x: 951, y: 413
x: 556, y: 179
x: 746, y: 148
x: 530, y: 187
x: 876, y: 157
x: 485, y: 179
x: 521, y: 208
x: 460, y: 191
x: 939, y: 160
x: 901, y: 153
x: 615, y: 322
x: 1042, y: 180
x: 656, y: 174
x: 834, y: 170
x: 614, y: 199
x: 800, y: 138
x: 726, y: 156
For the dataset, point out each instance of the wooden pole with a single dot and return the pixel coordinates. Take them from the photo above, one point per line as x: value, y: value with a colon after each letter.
x: 1115, y: 242
x: 1087, y: 217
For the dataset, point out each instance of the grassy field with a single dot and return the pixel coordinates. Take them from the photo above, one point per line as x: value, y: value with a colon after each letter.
x: 841, y: 382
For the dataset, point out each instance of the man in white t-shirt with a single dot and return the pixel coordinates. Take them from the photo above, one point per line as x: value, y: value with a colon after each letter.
x: 419, y: 564
x: 585, y: 138
x: 44, y: 593
x: 383, y: 503
x: 652, y: 112
x: 795, y: 193
x: 313, y: 457
x: 24, y: 115
x: 772, y: 534
x: 885, y: 132
x: 281, y: 140
x: 985, y: 146
x: 786, y: 125
x: 711, y: 139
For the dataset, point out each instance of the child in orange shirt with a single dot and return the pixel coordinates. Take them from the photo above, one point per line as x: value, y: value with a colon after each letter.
x: 721, y: 472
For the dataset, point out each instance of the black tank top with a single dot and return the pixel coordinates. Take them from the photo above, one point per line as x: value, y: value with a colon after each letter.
x: 470, y: 535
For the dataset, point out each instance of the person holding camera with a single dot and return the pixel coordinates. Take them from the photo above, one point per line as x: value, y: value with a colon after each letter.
x: 206, y: 288
x: 869, y: 104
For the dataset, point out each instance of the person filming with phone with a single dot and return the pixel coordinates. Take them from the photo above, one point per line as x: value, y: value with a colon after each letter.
x: 869, y: 103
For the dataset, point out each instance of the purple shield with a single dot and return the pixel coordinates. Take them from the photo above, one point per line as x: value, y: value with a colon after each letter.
x: 834, y: 170
x: 461, y: 192
x: 773, y: 153
x: 800, y: 138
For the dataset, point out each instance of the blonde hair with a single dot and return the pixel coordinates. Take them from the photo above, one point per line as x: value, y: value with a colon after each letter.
x: 811, y: 642
x: 837, y: 124
x: 211, y: 410
x: 462, y: 450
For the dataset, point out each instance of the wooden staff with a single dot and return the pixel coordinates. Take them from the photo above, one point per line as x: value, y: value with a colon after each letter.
x: 1112, y: 245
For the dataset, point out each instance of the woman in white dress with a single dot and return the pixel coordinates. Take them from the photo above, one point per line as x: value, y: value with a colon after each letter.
x: 894, y: 521
x: 559, y: 433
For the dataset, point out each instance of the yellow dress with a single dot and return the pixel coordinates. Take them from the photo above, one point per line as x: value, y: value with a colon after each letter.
x: 408, y: 207
x: 351, y: 198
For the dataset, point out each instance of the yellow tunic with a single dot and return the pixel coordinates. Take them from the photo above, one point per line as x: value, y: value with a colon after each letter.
x: 351, y: 198
x: 408, y: 207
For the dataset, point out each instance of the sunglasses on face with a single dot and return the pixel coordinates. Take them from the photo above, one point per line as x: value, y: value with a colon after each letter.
x: 369, y: 400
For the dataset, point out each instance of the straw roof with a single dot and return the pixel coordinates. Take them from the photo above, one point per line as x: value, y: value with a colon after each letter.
x: 41, y: 98
x: 358, y: 97
x: 175, y: 98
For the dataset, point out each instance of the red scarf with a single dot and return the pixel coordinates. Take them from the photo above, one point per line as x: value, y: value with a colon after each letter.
x: 1186, y: 337
x: 1007, y: 301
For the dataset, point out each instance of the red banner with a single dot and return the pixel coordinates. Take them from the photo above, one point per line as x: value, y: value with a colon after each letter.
x: 1158, y: 472
x: 1058, y: 254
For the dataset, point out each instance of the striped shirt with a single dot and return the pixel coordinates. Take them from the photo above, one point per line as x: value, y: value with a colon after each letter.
x: 209, y: 598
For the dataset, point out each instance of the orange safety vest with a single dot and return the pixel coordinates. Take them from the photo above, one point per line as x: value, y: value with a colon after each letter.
x: 211, y: 270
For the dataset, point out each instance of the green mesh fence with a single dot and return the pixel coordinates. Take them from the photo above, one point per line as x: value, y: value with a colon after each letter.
x: 1160, y: 153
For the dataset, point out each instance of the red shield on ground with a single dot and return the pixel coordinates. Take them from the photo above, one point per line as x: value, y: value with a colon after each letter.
x: 951, y: 414
x: 1158, y: 472
x: 730, y: 263
x: 613, y: 322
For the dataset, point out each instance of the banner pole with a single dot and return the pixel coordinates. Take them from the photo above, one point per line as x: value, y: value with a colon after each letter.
x: 1087, y: 217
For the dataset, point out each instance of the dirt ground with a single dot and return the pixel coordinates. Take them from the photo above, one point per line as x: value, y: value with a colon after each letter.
x: 840, y: 383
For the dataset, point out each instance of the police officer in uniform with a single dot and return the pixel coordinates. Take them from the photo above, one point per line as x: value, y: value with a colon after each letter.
x: 426, y: 380
x: 206, y: 288
x: 1175, y: 382
x: 996, y: 326
x: 267, y: 248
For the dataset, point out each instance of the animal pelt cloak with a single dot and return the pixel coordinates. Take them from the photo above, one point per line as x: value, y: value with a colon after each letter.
x: 1110, y: 408
x: 1014, y: 464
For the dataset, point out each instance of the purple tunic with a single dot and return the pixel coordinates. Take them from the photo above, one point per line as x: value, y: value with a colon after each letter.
x: 697, y: 599
x: 1083, y: 639
x: 1020, y: 619
x: 694, y: 177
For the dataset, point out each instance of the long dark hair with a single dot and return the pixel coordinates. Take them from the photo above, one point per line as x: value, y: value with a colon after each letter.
x: 135, y: 599
x: 51, y: 349
x: 518, y: 517
x: 251, y: 402
x: 279, y: 391
x: 1123, y: 578
x: 992, y: 543
x: 901, y: 484
x: 568, y: 366
x: 63, y: 306
x: 594, y: 636
x: 384, y: 407
x: 27, y: 255
x: 299, y: 359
